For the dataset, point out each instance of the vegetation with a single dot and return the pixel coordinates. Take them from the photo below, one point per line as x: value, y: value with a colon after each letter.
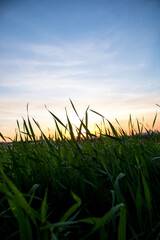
x: 90, y: 186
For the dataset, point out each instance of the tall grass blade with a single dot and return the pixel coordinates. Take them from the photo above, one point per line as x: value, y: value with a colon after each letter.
x: 54, y: 116
x: 122, y: 224
x: 51, y: 146
x: 138, y: 125
x: 86, y: 114
x: 44, y: 208
x: 30, y: 125
x: 121, y: 129
x: 117, y: 187
x: 31, y: 129
x: 154, y: 121
x: 58, y: 129
x: 73, y: 208
x: 19, y: 199
x: 33, y: 188
x: 147, y: 196
x: 2, y: 137
x: 70, y: 128
x: 130, y: 125
x: 115, y: 134
x: 139, y: 203
x: 25, y: 229
x: 84, y: 125
x: 99, y: 222
x: 26, y: 129
x: 19, y: 131
x: 80, y: 131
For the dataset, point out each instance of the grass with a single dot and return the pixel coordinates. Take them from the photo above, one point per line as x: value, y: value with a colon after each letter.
x: 90, y: 186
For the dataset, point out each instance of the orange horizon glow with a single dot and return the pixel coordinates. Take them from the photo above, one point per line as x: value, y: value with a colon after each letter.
x: 50, y: 129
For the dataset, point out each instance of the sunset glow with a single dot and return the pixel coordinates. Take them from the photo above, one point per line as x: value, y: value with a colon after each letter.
x: 105, y: 54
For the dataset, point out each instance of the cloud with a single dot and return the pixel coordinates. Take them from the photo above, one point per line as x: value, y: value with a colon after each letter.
x: 74, y: 50
x: 85, y: 70
x: 43, y: 63
x: 47, y: 66
x: 34, y: 63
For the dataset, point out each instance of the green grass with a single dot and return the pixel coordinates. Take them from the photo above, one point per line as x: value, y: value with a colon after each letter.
x: 86, y: 187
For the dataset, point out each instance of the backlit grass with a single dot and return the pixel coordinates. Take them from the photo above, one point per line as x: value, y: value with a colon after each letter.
x: 89, y: 186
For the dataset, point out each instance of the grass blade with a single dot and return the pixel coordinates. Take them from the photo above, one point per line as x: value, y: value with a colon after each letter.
x: 2, y: 137
x: 54, y: 116
x: 154, y: 121
x: 115, y: 134
x: 19, y: 198
x: 44, y: 207
x: 147, y: 196
x: 73, y: 208
x: 84, y: 125
x: 122, y: 224
x: 101, y: 221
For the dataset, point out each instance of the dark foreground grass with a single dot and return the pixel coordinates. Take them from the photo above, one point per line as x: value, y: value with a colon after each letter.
x: 88, y: 187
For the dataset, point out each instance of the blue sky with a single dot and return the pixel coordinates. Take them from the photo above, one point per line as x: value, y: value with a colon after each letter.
x: 105, y: 54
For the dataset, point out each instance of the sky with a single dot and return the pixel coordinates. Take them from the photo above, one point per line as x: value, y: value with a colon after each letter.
x: 105, y: 54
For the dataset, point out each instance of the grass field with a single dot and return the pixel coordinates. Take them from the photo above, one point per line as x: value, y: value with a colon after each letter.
x: 91, y: 186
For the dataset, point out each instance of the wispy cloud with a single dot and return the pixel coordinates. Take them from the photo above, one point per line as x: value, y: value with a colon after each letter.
x: 81, y: 50
x: 34, y: 63
x: 47, y: 63
x: 50, y: 65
